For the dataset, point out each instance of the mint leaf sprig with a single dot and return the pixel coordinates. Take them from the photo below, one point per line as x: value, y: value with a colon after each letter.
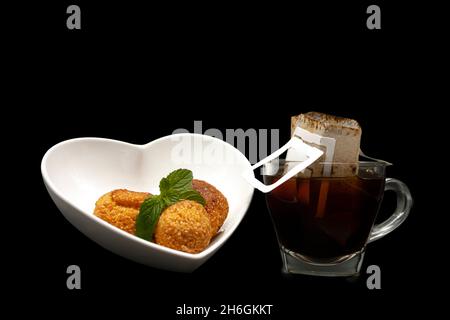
x: 175, y: 187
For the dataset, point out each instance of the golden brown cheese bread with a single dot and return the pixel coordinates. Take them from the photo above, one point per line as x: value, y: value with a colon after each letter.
x: 184, y: 226
x: 216, y: 204
x: 120, y: 208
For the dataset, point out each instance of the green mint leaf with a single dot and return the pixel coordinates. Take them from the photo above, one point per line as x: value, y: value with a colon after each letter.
x: 178, y: 180
x: 164, y: 185
x: 148, y: 217
x: 194, y: 196
x: 171, y: 196
x: 175, y: 187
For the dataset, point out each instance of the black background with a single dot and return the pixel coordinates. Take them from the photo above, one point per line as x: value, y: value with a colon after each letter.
x: 136, y: 73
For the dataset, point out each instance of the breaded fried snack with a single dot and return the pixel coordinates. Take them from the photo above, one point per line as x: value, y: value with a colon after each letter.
x: 184, y: 226
x: 216, y: 203
x: 120, y: 208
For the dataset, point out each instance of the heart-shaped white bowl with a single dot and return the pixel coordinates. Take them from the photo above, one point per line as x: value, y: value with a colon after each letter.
x: 77, y: 172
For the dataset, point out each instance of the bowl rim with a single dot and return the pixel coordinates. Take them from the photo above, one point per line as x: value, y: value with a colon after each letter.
x: 192, y: 256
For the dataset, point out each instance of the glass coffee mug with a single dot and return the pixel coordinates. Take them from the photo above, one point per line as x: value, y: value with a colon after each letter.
x: 323, y: 224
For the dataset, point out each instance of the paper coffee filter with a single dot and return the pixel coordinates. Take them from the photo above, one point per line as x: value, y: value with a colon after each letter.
x: 325, y: 144
x: 307, y: 153
x: 338, y: 137
x: 318, y: 141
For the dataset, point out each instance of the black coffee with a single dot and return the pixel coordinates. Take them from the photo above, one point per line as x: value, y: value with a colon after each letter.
x: 324, y: 218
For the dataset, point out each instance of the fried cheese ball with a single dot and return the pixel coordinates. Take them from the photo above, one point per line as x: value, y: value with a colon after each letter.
x: 184, y: 226
x: 120, y: 208
x: 216, y: 203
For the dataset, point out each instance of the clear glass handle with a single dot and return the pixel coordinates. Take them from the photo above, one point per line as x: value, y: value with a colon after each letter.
x: 404, y: 204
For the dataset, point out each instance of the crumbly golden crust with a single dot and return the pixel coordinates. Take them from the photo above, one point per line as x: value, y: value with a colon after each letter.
x: 216, y: 203
x: 184, y: 226
x: 120, y: 208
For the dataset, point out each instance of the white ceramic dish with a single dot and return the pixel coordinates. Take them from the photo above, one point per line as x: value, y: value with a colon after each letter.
x: 77, y: 172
